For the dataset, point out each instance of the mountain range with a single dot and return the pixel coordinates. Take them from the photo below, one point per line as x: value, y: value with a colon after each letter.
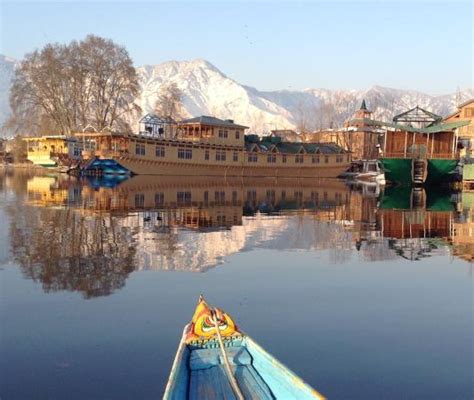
x: 208, y: 91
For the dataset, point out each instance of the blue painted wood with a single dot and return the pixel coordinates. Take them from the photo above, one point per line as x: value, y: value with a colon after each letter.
x: 199, y: 373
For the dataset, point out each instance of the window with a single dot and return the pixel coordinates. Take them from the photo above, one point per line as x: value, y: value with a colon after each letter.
x: 339, y: 158
x: 347, y: 158
x: 299, y: 159
x: 315, y: 159
x: 219, y: 197
x: 206, y: 197
x: 234, y: 198
x: 206, y: 155
x: 237, y: 134
x: 252, y: 157
x: 77, y: 151
x: 251, y: 195
x: 139, y: 200
x: 183, y: 198
x: 220, y: 155
x: 326, y: 159
x: 159, y: 199
x: 140, y: 149
x: 186, y: 154
x: 223, y: 133
x: 299, y: 197
x: 271, y: 158
x: 160, y: 151
x: 235, y: 156
x: 271, y: 196
x: 283, y: 158
x: 315, y: 197
x: 283, y: 195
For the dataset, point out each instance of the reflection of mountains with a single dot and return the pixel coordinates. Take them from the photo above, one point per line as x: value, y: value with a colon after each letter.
x: 155, y: 211
x: 88, y: 237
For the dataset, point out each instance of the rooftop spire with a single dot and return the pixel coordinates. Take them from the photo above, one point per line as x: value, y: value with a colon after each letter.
x: 363, y: 106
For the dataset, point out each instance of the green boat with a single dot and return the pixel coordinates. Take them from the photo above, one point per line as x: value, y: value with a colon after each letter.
x: 215, y: 360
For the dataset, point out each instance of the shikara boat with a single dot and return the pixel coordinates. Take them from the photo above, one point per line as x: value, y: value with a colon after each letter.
x: 225, y: 363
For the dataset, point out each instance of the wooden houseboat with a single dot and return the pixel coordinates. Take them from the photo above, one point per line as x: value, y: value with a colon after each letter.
x: 417, y: 147
x: 53, y: 150
x: 207, y: 146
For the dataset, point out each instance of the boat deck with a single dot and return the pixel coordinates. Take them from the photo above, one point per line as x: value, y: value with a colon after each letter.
x: 209, y: 380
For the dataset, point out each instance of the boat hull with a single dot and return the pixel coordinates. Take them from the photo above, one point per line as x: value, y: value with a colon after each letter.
x: 400, y: 170
x: 145, y: 167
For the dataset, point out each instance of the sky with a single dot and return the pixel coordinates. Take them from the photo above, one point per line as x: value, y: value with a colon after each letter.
x: 271, y: 45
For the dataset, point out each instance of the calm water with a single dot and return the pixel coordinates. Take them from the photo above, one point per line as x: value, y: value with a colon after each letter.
x: 364, y: 294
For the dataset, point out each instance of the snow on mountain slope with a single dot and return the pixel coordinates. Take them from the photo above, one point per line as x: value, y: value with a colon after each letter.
x: 208, y: 91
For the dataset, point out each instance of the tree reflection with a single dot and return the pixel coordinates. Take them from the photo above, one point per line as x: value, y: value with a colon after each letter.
x: 65, y: 250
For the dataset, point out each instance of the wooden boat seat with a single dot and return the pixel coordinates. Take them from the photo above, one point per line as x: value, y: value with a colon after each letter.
x: 209, y: 379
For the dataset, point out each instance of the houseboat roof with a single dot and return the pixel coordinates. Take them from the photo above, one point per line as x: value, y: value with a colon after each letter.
x: 270, y: 144
x: 50, y: 137
x: 207, y: 120
x: 415, y: 113
x: 433, y: 128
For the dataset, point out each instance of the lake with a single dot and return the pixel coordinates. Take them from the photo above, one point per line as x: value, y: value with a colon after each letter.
x: 364, y: 292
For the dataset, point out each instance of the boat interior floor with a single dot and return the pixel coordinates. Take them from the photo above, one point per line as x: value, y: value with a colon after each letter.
x: 209, y: 380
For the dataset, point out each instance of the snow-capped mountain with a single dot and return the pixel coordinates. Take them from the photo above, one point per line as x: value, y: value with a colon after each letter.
x: 208, y: 91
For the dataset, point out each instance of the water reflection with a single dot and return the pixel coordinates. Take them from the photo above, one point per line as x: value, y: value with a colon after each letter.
x: 88, y: 236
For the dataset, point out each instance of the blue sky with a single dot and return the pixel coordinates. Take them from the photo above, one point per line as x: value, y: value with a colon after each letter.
x: 425, y: 46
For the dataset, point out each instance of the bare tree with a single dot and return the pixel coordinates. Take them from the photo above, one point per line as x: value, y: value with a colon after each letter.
x: 170, y: 102
x: 92, y: 82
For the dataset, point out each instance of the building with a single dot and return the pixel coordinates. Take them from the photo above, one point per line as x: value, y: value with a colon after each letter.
x: 361, y: 138
x: 465, y: 112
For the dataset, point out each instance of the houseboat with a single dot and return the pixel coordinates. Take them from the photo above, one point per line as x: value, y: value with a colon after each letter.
x: 54, y: 151
x: 417, y: 148
x: 206, y: 146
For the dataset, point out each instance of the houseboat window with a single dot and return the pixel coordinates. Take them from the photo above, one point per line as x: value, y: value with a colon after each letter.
x: 271, y: 196
x: 251, y: 195
x: 160, y: 151
x: 299, y: 197
x: 271, y: 158
x: 186, y: 154
x: 139, y: 200
x: 140, y: 149
x: 315, y: 159
x: 219, y: 197
x: 220, y: 155
x: 326, y: 159
x: 299, y: 159
x: 236, y: 156
x: 183, y: 198
x: 237, y: 134
x: 283, y: 158
x: 223, y: 133
x: 206, y: 155
x: 253, y: 157
x: 159, y: 199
